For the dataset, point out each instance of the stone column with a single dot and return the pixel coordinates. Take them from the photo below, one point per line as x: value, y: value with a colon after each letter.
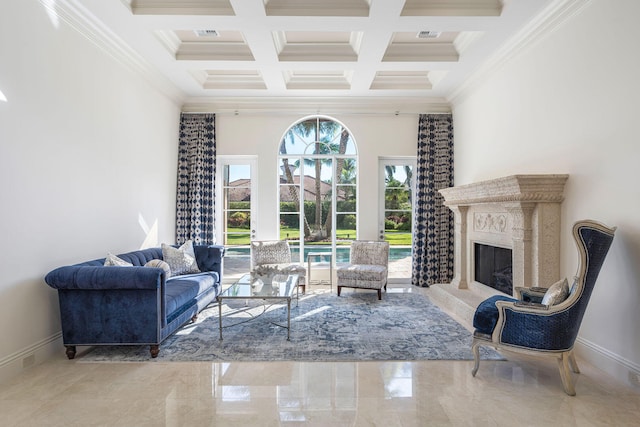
x: 522, y: 234
x: 461, y: 251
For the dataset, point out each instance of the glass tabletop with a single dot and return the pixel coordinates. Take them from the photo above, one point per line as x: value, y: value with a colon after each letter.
x: 282, y: 286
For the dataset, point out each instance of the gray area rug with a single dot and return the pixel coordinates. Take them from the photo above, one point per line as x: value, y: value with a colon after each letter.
x: 324, y: 327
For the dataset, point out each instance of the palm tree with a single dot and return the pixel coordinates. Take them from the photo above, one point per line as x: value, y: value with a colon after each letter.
x: 293, y: 190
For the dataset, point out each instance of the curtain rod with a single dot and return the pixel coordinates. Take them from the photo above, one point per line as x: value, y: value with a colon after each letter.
x: 299, y: 113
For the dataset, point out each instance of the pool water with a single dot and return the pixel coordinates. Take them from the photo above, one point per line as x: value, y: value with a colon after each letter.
x: 342, y: 252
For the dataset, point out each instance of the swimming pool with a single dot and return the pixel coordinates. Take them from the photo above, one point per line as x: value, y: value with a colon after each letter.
x: 342, y: 252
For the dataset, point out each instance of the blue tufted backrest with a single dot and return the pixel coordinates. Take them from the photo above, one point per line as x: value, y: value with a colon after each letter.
x: 593, y: 245
x: 208, y: 260
x: 209, y: 257
x: 141, y: 257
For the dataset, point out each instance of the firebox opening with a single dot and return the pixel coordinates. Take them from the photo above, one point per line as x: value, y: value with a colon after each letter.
x: 493, y: 267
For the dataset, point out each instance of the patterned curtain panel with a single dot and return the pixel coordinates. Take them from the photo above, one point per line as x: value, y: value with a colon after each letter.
x: 433, y: 233
x: 195, y: 201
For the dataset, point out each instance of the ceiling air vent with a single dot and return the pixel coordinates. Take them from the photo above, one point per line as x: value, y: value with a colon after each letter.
x: 206, y: 33
x: 428, y: 34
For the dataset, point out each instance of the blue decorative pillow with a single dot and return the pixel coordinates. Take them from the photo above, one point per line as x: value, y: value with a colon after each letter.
x: 113, y: 260
x: 181, y: 260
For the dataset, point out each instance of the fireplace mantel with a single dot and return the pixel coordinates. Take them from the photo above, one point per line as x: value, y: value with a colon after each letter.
x: 519, y: 212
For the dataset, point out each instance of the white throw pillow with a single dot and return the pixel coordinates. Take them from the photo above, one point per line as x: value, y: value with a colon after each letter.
x: 113, y: 260
x: 158, y: 263
x: 556, y: 293
x: 181, y: 260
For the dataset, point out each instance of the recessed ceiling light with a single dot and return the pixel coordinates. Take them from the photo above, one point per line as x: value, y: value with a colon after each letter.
x: 206, y: 33
x: 428, y: 34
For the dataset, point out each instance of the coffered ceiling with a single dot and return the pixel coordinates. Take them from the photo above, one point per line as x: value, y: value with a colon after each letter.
x: 309, y: 55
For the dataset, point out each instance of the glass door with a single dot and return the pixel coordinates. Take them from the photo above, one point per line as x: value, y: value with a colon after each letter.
x: 396, y: 213
x: 235, y: 215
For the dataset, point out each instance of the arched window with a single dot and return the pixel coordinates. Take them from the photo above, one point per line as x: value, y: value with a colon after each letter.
x: 317, y: 166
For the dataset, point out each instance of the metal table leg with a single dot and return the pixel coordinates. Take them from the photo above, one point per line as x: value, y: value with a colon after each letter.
x: 220, y: 316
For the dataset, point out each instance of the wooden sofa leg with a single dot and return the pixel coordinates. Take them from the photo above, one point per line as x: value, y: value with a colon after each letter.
x: 379, y: 294
x: 154, y: 349
x: 339, y: 289
x: 71, y: 351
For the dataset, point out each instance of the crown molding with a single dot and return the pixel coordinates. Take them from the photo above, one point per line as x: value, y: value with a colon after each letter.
x: 545, y: 23
x: 83, y: 21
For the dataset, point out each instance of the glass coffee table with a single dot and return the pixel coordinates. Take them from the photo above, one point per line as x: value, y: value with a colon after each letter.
x: 281, y: 288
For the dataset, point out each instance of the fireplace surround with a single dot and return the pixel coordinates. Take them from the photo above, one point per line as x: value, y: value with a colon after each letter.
x: 517, y: 212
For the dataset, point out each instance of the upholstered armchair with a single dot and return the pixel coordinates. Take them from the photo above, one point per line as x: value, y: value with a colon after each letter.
x: 271, y: 257
x: 368, y: 267
x: 548, y: 327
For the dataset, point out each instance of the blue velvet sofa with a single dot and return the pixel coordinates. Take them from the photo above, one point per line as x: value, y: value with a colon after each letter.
x: 136, y: 305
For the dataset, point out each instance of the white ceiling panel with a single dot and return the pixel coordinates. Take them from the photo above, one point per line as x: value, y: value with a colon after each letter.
x: 399, y: 55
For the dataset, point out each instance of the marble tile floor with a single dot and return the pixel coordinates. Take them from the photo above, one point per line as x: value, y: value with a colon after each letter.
x: 521, y: 391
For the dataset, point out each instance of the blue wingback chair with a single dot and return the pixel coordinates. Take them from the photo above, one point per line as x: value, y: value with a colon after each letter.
x: 551, y: 330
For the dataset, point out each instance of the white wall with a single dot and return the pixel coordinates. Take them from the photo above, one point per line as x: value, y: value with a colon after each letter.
x: 87, y: 148
x: 260, y: 135
x: 569, y: 104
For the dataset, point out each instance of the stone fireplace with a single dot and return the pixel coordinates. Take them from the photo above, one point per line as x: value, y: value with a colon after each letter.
x: 520, y: 213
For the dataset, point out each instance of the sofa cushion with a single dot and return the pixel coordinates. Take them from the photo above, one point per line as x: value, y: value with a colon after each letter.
x: 158, y: 263
x: 363, y: 272
x: 182, y: 290
x: 486, y: 316
x: 556, y: 293
x: 113, y: 260
x: 181, y: 260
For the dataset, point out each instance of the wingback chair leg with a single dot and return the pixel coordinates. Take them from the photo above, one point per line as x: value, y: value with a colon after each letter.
x: 379, y: 294
x: 475, y: 347
x: 573, y: 363
x: 339, y: 290
x: 563, y: 365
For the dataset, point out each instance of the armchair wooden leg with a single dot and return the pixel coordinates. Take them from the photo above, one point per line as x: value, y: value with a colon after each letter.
x: 379, y: 294
x: 339, y: 289
x: 563, y: 366
x: 475, y: 348
x: 573, y: 363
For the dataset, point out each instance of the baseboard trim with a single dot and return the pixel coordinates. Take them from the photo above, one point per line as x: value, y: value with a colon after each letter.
x: 30, y: 356
x: 613, y: 364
